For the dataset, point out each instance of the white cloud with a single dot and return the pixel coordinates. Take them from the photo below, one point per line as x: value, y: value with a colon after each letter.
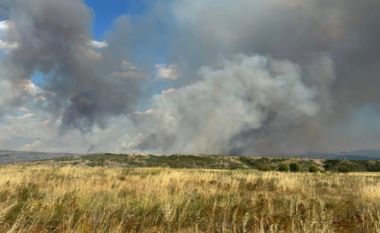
x: 147, y: 112
x: 168, y: 91
x: 167, y: 72
x: 28, y: 115
x: 29, y: 86
x: 6, y: 46
x: 37, y: 93
x: 5, y: 25
x: 129, y: 72
x: 97, y: 44
x: 127, y: 66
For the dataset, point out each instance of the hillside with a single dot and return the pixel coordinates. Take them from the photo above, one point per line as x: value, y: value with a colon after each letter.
x: 206, y: 162
x: 7, y: 156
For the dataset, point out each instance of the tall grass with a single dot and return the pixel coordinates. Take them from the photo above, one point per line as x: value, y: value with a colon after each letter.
x: 85, y: 199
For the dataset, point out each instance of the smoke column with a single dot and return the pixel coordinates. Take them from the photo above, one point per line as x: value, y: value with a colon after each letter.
x: 242, y: 78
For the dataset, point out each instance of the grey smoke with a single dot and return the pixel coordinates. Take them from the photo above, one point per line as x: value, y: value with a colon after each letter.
x: 53, y: 39
x: 257, y: 77
x: 225, y: 110
x: 291, y: 29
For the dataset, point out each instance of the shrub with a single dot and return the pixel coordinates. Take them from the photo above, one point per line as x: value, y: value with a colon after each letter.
x: 343, y: 169
x: 294, y: 167
x: 313, y: 169
x: 248, y: 161
x: 232, y: 165
x: 265, y: 168
x: 283, y: 167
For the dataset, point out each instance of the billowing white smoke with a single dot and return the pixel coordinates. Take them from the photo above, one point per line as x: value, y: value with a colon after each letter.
x: 314, y: 98
x: 241, y: 95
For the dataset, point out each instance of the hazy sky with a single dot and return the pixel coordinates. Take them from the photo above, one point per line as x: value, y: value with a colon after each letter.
x: 245, y: 77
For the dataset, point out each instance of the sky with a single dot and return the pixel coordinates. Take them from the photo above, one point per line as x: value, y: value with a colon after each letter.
x: 104, y: 15
x: 105, y: 12
x: 256, y: 78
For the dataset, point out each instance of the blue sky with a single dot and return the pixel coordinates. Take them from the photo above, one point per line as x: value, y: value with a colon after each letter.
x: 106, y: 11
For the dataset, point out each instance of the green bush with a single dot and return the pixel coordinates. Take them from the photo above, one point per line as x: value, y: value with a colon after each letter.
x: 343, y: 169
x: 265, y: 168
x: 248, y: 161
x: 313, y: 169
x: 294, y: 167
x: 283, y: 167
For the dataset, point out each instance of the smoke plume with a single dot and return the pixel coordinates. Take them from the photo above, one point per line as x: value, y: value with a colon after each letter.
x: 240, y: 104
x: 54, y: 39
x: 236, y: 77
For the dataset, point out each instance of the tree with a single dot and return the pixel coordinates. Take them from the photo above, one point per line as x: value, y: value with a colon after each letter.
x: 313, y: 169
x: 294, y: 167
x: 343, y: 169
x: 283, y: 167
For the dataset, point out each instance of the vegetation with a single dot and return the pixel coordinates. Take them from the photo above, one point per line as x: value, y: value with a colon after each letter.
x: 71, y: 198
x: 313, y: 169
x: 343, y: 169
x: 294, y: 167
x: 352, y: 165
x: 265, y: 168
x: 283, y: 167
x: 373, y: 166
x: 211, y: 162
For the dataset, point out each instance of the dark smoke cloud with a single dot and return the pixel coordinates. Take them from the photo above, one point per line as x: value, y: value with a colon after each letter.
x: 256, y: 77
x: 292, y: 29
x: 53, y: 38
x: 346, y: 30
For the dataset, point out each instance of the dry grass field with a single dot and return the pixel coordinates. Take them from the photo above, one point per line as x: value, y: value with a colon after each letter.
x: 97, y: 199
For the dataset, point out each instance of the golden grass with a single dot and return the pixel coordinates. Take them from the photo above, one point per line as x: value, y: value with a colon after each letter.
x: 81, y: 199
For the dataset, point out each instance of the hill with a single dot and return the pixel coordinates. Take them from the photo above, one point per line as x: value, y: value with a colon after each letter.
x: 7, y: 156
x: 355, y: 155
x: 205, y: 162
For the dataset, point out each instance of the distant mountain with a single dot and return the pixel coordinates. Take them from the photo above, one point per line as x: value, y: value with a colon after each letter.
x: 353, y: 155
x: 371, y: 153
x: 7, y: 156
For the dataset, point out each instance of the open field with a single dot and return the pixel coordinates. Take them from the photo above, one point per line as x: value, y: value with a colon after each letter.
x: 98, y: 199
